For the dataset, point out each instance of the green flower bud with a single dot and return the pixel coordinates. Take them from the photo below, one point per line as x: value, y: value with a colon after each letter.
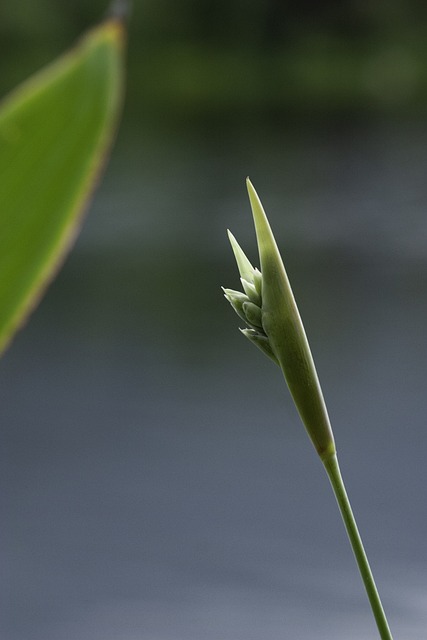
x: 252, y: 314
x: 260, y: 341
x: 251, y: 291
x: 277, y: 329
x: 236, y: 299
x: 258, y: 281
x: 246, y: 270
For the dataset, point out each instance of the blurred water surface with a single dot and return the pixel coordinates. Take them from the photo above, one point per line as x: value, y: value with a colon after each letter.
x: 156, y: 481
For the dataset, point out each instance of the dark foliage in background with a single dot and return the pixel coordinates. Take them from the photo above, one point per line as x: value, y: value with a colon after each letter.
x: 196, y: 59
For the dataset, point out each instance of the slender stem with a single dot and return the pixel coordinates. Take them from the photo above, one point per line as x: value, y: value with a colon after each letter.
x: 334, y: 473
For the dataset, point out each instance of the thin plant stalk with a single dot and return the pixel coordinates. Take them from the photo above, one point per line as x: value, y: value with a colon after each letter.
x: 335, y: 477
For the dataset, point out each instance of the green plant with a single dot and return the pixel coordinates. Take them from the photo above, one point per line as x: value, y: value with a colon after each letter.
x: 268, y: 308
x: 55, y: 133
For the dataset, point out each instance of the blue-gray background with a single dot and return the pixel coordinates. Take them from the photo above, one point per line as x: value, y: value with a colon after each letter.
x: 156, y: 483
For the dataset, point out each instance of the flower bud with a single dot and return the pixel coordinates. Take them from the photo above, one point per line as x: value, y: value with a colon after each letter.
x: 252, y: 314
x: 276, y: 327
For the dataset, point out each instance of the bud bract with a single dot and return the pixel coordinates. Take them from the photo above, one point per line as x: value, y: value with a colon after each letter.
x: 269, y: 309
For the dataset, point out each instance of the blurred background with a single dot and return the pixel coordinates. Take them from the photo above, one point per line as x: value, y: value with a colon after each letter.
x: 156, y: 482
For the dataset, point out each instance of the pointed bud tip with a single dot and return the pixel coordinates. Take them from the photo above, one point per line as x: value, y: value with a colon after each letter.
x: 253, y: 196
x: 227, y: 294
x: 243, y: 264
x: 250, y: 187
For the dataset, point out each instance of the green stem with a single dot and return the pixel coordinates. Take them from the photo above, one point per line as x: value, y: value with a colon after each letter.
x: 334, y: 473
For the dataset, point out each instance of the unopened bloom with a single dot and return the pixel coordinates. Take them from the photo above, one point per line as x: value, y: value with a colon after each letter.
x: 268, y: 308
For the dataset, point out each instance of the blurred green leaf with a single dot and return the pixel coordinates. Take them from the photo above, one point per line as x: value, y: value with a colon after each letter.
x: 55, y: 132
